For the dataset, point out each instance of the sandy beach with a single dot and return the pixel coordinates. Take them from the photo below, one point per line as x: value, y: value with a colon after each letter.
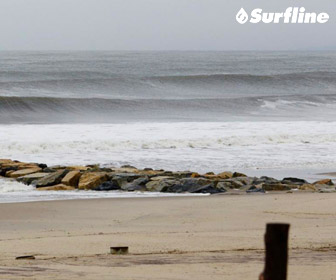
x: 214, y: 237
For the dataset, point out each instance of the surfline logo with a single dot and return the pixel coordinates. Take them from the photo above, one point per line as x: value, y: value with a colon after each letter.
x: 291, y: 15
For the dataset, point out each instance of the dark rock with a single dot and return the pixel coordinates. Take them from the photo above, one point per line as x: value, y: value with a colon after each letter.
x: 48, y: 170
x: 42, y: 165
x: 254, y: 189
x: 128, y: 166
x: 122, y: 179
x: 57, y: 167
x: 160, y: 185
x: 266, y: 180
x: 6, y: 169
x: 239, y: 182
x: 149, y: 169
x: 210, y: 188
x: 107, y: 186
x: 181, y: 174
x: 237, y: 174
x: 295, y: 181
x: 51, y: 179
x: 136, y: 185
x: 187, y: 185
x: 28, y: 179
x: 277, y: 187
x: 224, y: 186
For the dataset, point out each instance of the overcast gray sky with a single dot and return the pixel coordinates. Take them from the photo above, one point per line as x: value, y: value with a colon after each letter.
x: 157, y: 25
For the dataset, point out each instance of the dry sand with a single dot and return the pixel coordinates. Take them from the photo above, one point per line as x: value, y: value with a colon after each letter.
x: 215, y: 237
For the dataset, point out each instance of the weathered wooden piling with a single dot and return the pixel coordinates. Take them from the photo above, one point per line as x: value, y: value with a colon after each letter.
x: 276, y: 242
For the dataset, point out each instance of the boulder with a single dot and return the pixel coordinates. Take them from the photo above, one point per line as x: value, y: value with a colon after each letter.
x: 28, y: 179
x: 51, y: 179
x: 107, y: 186
x: 181, y: 174
x: 324, y: 182
x: 59, y: 187
x: 150, y: 173
x: 266, y: 180
x: 294, y: 181
x: 28, y: 166
x: 237, y: 174
x: 210, y: 188
x: 126, y: 170
x: 48, y: 170
x: 5, y: 161
x: 78, y: 168
x: 160, y: 185
x: 148, y: 169
x: 136, y: 185
x: 57, y: 167
x: 307, y: 187
x: 71, y: 179
x: 238, y: 182
x: 225, y: 175
x: 4, y: 170
x: 224, y: 186
x: 159, y: 178
x: 122, y: 179
x: 42, y: 165
x: 187, y: 185
x: 128, y: 166
x: 92, y: 180
x: 277, y: 187
x: 23, y: 172
x: 8, y: 173
x: 324, y: 186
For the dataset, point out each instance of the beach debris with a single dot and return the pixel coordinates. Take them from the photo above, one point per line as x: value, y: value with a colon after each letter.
x: 128, y: 179
x: 119, y: 250
x: 29, y: 257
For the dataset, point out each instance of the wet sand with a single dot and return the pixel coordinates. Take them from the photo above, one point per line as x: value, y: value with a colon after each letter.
x: 214, y: 237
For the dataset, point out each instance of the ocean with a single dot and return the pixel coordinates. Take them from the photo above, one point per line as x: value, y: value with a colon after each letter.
x: 262, y: 113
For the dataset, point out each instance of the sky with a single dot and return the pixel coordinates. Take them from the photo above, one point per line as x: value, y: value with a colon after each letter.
x: 158, y: 25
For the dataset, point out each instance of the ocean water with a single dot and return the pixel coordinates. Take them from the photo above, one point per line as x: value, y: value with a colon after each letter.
x: 205, y: 111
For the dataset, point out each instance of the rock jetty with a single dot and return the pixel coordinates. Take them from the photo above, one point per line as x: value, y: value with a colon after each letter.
x: 128, y: 178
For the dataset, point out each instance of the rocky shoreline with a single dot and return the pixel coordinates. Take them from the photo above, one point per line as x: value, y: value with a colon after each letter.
x: 128, y: 178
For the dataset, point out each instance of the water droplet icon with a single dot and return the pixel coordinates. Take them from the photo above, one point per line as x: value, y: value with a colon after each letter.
x: 242, y: 16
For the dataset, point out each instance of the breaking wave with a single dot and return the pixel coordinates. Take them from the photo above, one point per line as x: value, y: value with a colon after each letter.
x: 85, y: 110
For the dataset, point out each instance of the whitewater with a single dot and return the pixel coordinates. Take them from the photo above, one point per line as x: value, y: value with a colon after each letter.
x: 262, y: 113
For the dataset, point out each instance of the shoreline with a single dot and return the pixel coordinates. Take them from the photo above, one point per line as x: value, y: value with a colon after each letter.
x: 68, y: 181
x: 168, y: 238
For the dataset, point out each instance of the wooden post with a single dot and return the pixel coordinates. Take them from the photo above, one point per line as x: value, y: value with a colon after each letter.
x: 276, y: 241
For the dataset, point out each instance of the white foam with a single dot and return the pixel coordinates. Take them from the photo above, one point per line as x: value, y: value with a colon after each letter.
x: 176, y: 146
x: 11, y: 185
x: 12, y: 191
